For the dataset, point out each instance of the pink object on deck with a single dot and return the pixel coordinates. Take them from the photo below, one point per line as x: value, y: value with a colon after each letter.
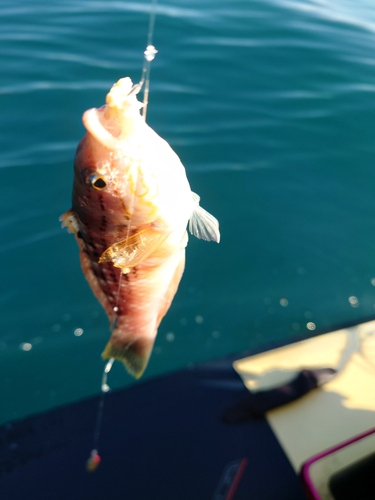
x: 310, y: 488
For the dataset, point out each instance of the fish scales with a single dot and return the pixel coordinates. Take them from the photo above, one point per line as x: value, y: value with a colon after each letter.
x: 131, y: 205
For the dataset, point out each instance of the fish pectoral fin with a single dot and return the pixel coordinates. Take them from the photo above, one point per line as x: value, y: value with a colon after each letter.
x: 202, y: 224
x: 69, y: 220
x: 134, y: 353
x: 131, y: 251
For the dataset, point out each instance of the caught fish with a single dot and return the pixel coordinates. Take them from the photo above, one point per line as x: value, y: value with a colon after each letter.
x: 131, y: 206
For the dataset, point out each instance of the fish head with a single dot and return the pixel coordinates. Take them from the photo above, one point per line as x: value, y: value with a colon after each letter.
x: 108, y: 169
x: 123, y: 165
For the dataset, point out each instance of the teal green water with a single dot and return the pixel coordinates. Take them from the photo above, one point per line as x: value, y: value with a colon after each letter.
x: 271, y: 107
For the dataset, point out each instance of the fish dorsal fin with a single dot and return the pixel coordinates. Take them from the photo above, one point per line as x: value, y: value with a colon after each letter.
x: 131, y: 251
x: 202, y: 224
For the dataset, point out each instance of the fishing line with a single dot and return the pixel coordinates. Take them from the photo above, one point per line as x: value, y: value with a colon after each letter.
x: 94, y: 459
x: 149, y: 55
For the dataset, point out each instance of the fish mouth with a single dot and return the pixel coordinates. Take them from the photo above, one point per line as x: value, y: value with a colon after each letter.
x: 94, y: 122
x: 113, y: 123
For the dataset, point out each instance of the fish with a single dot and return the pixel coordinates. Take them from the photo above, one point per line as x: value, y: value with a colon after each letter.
x: 131, y: 205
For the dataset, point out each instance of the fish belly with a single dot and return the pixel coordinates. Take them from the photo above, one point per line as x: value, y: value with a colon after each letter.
x: 144, y: 297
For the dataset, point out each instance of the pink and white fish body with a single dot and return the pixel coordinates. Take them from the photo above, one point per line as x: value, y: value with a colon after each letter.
x: 131, y: 205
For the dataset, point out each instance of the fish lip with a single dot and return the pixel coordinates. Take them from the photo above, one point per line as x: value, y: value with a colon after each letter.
x: 91, y: 121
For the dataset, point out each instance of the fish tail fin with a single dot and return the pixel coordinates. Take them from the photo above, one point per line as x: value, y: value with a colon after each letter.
x: 135, y: 354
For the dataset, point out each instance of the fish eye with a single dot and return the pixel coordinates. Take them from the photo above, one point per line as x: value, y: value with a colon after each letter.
x: 97, y: 182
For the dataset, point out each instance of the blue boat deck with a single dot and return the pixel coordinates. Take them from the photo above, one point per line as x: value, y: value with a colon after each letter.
x: 161, y: 439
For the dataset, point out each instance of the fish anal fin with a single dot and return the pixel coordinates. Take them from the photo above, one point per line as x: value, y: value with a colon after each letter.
x: 131, y: 251
x: 134, y: 353
x: 202, y: 224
